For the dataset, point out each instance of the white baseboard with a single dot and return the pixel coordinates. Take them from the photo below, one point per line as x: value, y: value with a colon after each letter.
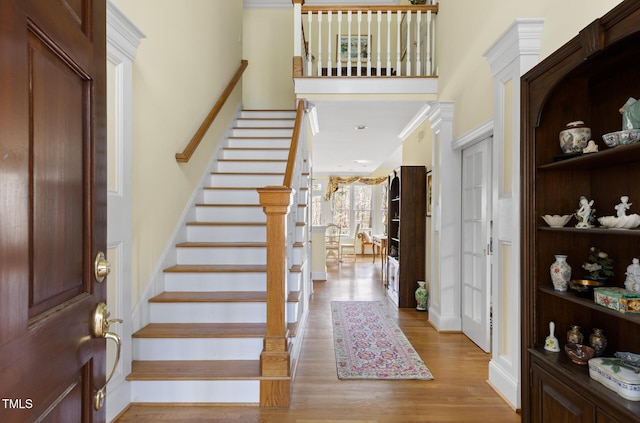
x: 504, y: 384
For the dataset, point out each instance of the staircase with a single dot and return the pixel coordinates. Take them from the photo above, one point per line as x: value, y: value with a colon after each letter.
x: 206, y: 330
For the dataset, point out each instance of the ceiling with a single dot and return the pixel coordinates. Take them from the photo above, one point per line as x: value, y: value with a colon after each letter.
x: 339, y: 148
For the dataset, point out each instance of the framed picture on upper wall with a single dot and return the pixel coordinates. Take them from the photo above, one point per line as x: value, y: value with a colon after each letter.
x: 429, y: 192
x: 357, y: 52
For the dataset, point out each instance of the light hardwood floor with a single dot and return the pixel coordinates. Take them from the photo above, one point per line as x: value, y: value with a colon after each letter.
x: 459, y: 392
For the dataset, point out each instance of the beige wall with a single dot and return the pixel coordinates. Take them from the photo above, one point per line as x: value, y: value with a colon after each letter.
x: 466, y: 29
x: 191, y: 51
x: 268, y: 46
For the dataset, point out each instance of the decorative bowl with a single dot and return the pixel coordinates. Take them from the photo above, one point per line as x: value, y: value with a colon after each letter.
x: 620, y: 222
x: 579, y: 354
x: 556, y: 220
x: 628, y: 136
x: 575, y: 137
x: 584, y: 287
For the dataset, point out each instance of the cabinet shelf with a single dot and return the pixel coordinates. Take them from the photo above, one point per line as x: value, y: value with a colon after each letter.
x: 610, y: 157
x: 592, y: 231
x: 585, y: 302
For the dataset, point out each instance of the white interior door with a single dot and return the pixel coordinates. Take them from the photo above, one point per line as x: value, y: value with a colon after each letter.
x: 476, y: 240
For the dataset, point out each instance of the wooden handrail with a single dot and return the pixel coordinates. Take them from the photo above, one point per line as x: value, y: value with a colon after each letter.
x: 204, y: 126
x: 293, y: 150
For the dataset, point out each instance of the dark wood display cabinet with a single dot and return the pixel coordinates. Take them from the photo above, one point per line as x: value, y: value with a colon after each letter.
x: 588, y: 79
x: 406, y: 234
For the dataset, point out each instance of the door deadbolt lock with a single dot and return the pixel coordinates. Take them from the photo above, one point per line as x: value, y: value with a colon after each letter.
x: 102, y: 267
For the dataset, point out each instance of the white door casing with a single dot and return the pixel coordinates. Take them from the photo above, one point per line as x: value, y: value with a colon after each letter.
x: 123, y: 39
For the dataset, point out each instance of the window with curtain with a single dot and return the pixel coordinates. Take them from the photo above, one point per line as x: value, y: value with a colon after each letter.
x: 351, y: 204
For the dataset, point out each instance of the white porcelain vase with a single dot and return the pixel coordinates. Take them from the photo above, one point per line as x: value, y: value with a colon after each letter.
x: 560, y: 273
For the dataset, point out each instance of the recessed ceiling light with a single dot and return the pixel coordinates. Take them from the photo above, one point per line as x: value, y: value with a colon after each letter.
x: 361, y: 127
x: 362, y: 161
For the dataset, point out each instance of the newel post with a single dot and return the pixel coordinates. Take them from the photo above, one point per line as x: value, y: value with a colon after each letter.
x: 275, y: 358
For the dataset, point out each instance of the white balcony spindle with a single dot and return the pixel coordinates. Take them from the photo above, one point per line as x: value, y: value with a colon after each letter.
x: 338, y: 58
x: 378, y: 56
x: 429, y: 41
x: 297, y: 25
x: 319, y: 59
x: 370, y: 38
x: 349, y: 43
x: 329, y: 19
x: 388, y: 42
x: 419, y: 39
x: 359, y: 50
x: 408, y: 46
x: 398, y: 57
x: 309, y: 45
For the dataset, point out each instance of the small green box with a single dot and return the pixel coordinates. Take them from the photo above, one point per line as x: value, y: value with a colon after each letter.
x: 618, y: 299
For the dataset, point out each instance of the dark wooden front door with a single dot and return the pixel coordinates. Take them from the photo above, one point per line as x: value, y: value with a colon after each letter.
x: 52, y: 208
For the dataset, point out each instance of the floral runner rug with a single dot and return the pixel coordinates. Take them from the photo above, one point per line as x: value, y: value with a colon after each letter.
x: 370, y: 345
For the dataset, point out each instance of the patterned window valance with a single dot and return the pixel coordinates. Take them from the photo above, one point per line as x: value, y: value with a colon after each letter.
x: 334, y: 181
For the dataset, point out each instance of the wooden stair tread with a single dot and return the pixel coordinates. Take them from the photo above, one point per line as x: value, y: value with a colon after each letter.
x: 217, y: 296
x: 227, y: 223
x: 221, y: 244
x: 207, y: 330
x: 248, y: 173
x: 256, y: 148
x: 209, y: 296
x: 216, y: 268
x: 254, y: 160
x: 195, y: 370
x: 227, y: 205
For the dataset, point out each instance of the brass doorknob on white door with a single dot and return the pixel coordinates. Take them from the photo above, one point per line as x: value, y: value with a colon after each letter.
x: 102, y: 267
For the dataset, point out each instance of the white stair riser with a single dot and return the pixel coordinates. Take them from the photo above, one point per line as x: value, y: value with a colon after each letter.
x: 222, y: 255
x: 299, y: 255
x: 215, y: 281
x: 294, y: 281
x: 231, y: 196
x: 230, y: 214
x: 262, y: 122
x: 197, y: 348
x: 232, y: 312
x: 196, y: 391
x: 245, y: 180
x: 222, y: 233
x: 282, y: 142
x: 249, y: 166
x: 262, y: 132
x: 247, y: 153
x: 229, y: 312
x: 284, y: 114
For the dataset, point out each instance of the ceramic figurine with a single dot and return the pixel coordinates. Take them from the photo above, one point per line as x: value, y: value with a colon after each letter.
x: 632, y: 283
x: 551, y: 343
x: 623, y: 206
x: 630, y: 114
x: 591, y: 147
x: 584, y: 214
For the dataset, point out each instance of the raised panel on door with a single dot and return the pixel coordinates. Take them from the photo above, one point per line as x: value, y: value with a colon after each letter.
x: 52, y: 208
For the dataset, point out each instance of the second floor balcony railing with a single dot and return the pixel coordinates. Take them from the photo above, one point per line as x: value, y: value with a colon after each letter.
x: 365, y: 40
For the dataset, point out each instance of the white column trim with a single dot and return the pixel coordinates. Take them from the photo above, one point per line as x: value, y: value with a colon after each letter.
x: 513, y: 54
